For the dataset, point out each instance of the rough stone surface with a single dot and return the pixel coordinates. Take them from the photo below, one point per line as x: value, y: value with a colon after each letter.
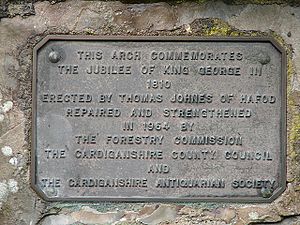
x: 26, y: 24
x: 161, y: 214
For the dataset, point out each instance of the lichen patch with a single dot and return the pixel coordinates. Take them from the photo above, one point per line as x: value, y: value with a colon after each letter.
x: 7, y: 106
x: 13, y: 185
x: 13, y: 161
x: 7, y: 151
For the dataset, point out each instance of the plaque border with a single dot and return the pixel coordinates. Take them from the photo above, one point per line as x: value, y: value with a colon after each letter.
x: 225, y: 199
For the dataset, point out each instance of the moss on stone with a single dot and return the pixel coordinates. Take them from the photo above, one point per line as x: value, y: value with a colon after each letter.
x: 293, y: 140
x: 24, y: 6
x: 230, y: 2
x: 218, y: 27
x: 293, y: 120
x: 262, y: 2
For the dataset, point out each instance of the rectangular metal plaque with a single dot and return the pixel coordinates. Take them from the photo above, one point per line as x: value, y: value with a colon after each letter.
x: 159, y: 118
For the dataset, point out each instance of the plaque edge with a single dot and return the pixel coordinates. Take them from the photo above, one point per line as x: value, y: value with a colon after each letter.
x: 283, y: 123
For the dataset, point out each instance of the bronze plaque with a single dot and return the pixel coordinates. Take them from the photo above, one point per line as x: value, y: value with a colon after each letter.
x: 159, y: 119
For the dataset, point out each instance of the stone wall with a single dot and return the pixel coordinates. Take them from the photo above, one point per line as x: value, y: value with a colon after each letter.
x: 25, y: 24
